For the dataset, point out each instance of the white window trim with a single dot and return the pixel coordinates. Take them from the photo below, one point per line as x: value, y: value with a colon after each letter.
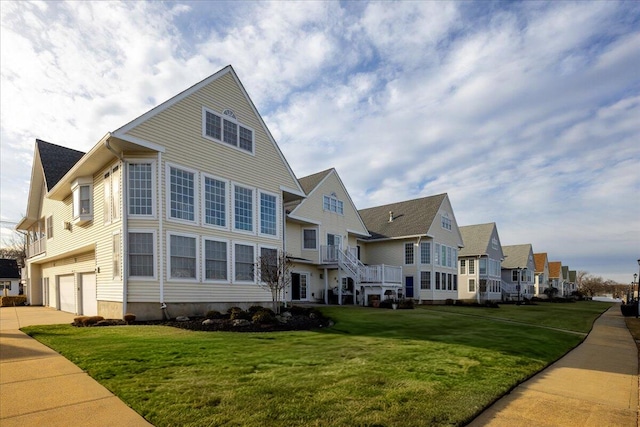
x: 316, y: 240
x: 413, y: 253
x: 227, y: 208
x: 203, y: 272
x: 421, y: 253
x: 222, y: 116
x: 254, y: 215
x: 49, y: 229
x: 80, y: 218
x: 155, y: 255
x: 154, y: 187
x: 233, y: 261
x: 120, y: 263
x: 196, y: 185
x: 258, y: 210
x: 168, y: 258
x: 331, y: 196
x: 259, y: 254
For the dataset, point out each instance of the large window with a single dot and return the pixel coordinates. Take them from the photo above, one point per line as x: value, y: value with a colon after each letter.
x: 182, y: 194
x: 309, y: 238
x: 140, y: 189
x: 268, y: 214
x: 425, y: 280
x: 472, y: 285
x: 472, y: 266
x: 332, y: 204
x: 483, y: 266
x: 183, y: 257
x: 408, y: 253
x: 141, y: 262
x: 463, y: 266
x: 243, y: 208
x: 215, y: 255
x: 215, y: 202
x: 82, y: 190
x: 425, y: 253
x: 50, y: 227
x: 446, y: 221
x: 225, y: 128
x: 437, y: 281
x: 244, y: 263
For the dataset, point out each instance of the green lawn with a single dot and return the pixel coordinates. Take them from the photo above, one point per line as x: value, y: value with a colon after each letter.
x: 374, y: 367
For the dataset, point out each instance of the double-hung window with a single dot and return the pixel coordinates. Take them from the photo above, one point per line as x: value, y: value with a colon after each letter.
x: 408, y: 253
x: 82, y: 189
x: 332, y: 204
x: 182, y: 263
x: 268, y: 214
x: 226, y: 128
x: 425, y: 280
x: 215, y: 202
x: 463, y: 266
x: 141, y: 254
x: 425, y: 253
x: 49, y: 227
x: 111, y: 184
x: 215, y: 256
x: 243, y: 208
x: 140, y: 189
x: 244, y: 263
x: 309, y: 238
x: 182, y: 201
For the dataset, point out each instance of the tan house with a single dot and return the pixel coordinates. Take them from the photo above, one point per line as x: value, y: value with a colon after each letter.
x: 518, y: 268
x: 166, y: 215
x: 480, y: 263
x: 322, y: 239
x: 422, y: 236
x: 555, y: 276
x: 541, y: 279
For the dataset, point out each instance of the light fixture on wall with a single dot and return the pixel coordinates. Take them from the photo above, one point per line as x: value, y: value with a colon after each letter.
x: 66, y: 225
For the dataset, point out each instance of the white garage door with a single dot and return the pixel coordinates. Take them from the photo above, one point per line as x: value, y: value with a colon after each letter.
x: 89, y: 300
x: 67, y: 294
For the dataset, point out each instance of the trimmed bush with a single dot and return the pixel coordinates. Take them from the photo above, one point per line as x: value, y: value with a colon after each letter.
x: 263, y: 317
x: 13, y: 300
x: 86, y: 320
x: 407, y: 304
x: 255, y: 308
x: 213, y: 314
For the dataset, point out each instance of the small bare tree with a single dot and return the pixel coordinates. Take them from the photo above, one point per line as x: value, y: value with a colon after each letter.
x: 274, y: 274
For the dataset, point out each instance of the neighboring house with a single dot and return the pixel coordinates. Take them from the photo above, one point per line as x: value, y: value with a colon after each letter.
x: 166, y: 215
x: 573, y: 281
x: 322, y: 239
x: 9, y: 277
x: 480, y: 263
x: 518, y: 269
x: 541, y: 279
x: 422, y: 236
x: 555, y: 276
x: 567, y: 288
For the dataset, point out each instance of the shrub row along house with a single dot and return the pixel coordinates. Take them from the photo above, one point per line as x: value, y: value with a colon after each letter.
x: 171, y: 212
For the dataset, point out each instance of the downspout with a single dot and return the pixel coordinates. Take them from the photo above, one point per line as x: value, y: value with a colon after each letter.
x: 125, y: 233
x: 160, y: 203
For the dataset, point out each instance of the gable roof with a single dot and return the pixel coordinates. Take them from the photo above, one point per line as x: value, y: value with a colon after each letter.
x: 410, y: 218
x: 9, y: 269
x: 572, y: 276
x: 540, y: 259
x: 309, y: 183
x: 56, y: 161
x: 476, y: 238
x: 516, y: 256
x: 565, y: 272
x: 555, y: 269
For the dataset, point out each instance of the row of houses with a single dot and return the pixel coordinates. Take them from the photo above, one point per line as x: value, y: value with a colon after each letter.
x: 172, y: 211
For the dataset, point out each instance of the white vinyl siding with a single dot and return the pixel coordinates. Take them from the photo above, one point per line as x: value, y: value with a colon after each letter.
x: 116, y: 269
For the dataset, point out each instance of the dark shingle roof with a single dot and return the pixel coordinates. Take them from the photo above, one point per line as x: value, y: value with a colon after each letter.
x: 9, y: 269
x: 516, y: 256
x: 410, y: 218
x: 572, y: 276
x: 56, y: 161
x: 476, y: 238
x: 308, y: 183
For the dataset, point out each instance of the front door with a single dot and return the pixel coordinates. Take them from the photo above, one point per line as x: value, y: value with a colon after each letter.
x: 299, y: 283
x: 408, y: 286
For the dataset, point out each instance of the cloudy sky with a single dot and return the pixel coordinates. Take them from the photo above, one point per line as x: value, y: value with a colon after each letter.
x: 526, y: 114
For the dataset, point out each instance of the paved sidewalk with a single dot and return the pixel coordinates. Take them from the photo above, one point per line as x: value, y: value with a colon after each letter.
x: 596, y: 384
x: 39, y: 387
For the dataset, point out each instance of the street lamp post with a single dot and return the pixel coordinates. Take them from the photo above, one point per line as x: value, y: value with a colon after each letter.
x: 635, y: 280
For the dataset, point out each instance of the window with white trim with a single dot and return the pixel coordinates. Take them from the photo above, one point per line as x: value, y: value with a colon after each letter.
x: 182, y: 261
x: 483, y: 266
x: 408, y: 253
x: 242, y: 208
x: 463, y: 266
x: 111, y: 184
x: 268, y: 264
x: 437, y: 280
x: 116, y: 272
x: 309, y: 238
x: 436, y: 254
x: 425, y: 280
x: 49, y: 227
x: 141, y: 254
x: 82, y: 189
x: 215, y: 258
x: 215, y: 202
x: 425, y: 253
x: 446, y: 221
x: 268, y: 214
x: 182, y: 201
x: 472, y: 285
x: 140, y: 188
x: 333, y: 204
x: 244, y: 263
x: 227, y: 129
x: 472, y: 266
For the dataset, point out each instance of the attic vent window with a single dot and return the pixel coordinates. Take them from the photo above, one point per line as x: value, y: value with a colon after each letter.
x: 332, y: 204
x: 446, y: 221
x: 226, y: 129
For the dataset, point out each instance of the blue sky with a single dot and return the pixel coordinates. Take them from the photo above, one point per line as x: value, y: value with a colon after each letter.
x: 526, y: 113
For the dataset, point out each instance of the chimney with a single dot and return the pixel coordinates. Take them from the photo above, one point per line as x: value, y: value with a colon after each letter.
x: 390, y: 216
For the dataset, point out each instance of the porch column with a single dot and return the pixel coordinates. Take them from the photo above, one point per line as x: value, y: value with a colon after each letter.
x: 339, y: 286
x: 326, y: 287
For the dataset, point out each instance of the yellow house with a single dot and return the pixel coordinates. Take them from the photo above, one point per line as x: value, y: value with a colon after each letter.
x: 165, y: 215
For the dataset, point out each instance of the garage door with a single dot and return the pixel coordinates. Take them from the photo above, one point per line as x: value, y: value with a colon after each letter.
x: 89, y: 300
x: 67, y: 294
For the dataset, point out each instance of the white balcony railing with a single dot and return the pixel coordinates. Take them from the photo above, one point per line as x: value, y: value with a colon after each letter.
x: 36, y: 248
x: 385, y: 274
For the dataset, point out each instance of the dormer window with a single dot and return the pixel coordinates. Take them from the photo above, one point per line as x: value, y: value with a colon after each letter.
x: 82, y: 189
x: 225, y: 128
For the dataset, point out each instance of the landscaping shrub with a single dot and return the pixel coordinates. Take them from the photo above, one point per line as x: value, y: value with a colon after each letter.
x: 129, y: 318
x: 407, y: 304
x: 386, y: 303
x: 86, y: 320
x: 214, y: 314
x: 238, y: 313
x: 255, y: 308
x: 263, y: 317
x: 12, y: 301
x: 296, y: 310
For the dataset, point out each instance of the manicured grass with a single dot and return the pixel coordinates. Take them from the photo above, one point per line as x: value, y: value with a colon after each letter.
x: 374, y: 367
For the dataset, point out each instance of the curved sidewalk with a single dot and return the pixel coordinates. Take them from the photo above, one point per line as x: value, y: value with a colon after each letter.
x: 595, y: 384
x: 39, y: 387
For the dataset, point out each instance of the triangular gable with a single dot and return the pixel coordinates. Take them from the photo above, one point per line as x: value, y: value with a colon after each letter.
x: 541, y: 262
x: 314, y: 185
x: 122, y: 132
x: 478, y: 239
x: 56, y: 161
x: 445, y: 205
